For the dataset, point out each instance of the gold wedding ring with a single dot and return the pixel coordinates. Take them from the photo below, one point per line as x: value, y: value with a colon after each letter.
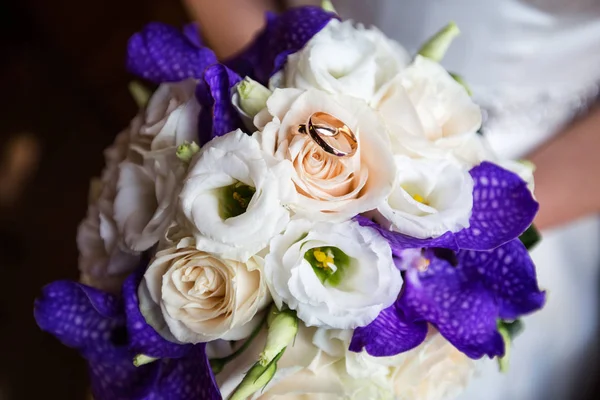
x: 331, y: 134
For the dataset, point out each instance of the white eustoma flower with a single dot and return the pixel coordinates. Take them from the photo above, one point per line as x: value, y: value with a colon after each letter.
x: 428, y: 113
x: 235, y: 197
x: 149, y: 184
x: 202, y: 297
x: 430, y: 198
x: 104, y: 261
x: 346, y: 59
x: 334, y: 275
x: 329, y: 188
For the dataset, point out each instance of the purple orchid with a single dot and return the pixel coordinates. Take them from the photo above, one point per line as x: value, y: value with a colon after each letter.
x: 218, y: 115
x: 162, y: 53
x: 463, y: 282
x: 283, y: 35
x: 94, y: 322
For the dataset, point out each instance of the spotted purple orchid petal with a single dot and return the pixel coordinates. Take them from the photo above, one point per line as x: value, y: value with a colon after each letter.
x: 400, y: 242
x: 283, y: 34
x: 509, y: 273
x: 463, y: 310
x: 192, y: 33
x: 162, y: 53
x: 143, y: 338
x: 83, y: 318
x: 121, y: 380
x: 190, y: 377
x: 503, y: 208
x: 390, y: 334
x: 218, y: 115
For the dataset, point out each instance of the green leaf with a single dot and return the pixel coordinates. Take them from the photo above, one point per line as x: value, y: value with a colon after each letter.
x: 530, y: 237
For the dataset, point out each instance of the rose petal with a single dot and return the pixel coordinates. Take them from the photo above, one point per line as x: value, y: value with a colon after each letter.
x: 390, y: 334
x: 161, y: 53
x: 143, y: 338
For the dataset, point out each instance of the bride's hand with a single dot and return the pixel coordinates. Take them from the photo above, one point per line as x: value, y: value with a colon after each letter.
x: 229, y: 25
x: 567, y: 175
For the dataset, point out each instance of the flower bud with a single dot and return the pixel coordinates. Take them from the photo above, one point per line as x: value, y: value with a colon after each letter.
x: 142, y: 359
x: 256, y: 378
x: 252, y: 96
x: 283, y: 327
x: 436, y: 47
x: 186, y: 151
x: 327, y: 5
x: 140, y: 93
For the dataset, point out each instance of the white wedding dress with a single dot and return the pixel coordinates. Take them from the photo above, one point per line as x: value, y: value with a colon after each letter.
x: 533, y: 65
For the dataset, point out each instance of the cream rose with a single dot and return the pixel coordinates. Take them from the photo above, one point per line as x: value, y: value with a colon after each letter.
x: 334, y: 275
x: 329, y: 187
x: 148, y: 187
x: 202, y: 297
x: 429, y: 114
x: 235, y: 197
x: 346, y: 59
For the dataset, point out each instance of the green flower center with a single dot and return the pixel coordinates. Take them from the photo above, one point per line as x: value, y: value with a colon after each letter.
x: 329, y: 263
x: 234, y: 199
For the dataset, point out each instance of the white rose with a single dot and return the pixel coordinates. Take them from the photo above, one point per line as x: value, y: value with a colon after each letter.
x: 202, y: 297
x: 437, y: 118
x: 329, y: 187
x: 346, y: 59
x: 435, y: 370
x: 334, y: 275
x: 148, y: 187
x: 104, y: 262
x: 430, y: 198
x: 235, y: 197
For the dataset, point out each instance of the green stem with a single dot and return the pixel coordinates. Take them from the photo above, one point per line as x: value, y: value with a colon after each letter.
x: 223, y: 361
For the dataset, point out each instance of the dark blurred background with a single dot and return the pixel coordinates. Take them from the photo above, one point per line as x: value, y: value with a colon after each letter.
x: 64, y: 97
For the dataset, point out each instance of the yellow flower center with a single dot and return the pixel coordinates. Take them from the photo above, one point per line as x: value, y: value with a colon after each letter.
x: 324, y: 259
x: 420, y: 199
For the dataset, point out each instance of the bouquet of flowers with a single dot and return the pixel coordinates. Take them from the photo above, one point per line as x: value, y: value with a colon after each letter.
x: 317, y: 217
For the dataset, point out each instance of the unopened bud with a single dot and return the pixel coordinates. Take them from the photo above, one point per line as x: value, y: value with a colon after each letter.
x: 142, y: 359
x: 252, y: 96
x: 283, y: 327
x: 436, y: 47
x: 256, y: 378
x: 186, y: 151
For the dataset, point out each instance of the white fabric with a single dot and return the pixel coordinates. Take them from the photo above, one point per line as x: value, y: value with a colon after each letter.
x: 533, y: 64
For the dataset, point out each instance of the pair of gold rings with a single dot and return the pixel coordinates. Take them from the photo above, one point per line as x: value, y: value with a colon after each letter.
x: 331, y: 134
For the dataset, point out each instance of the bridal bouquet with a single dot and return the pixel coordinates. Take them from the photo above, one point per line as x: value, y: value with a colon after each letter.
x: 317, y: 217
